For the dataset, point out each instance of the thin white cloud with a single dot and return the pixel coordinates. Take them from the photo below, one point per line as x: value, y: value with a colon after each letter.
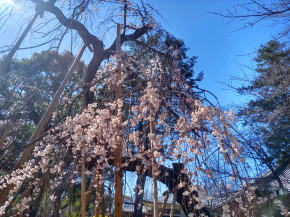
x: 9, y: 3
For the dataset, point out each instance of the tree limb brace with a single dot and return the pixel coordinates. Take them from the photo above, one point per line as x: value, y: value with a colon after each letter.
x: 9, y: 56
x: 43, y: 122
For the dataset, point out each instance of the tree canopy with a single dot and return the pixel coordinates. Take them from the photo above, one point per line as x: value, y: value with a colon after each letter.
x: 134, y: 106
x: 268, y: 110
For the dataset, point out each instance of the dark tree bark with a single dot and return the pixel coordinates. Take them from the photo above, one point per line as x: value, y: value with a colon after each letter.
x: 171, y: 177
x: 138, y: 203
x: 99, y: 54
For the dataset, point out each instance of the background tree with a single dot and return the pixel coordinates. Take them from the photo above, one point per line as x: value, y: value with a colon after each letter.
x: 267, y: 115
x: 25, y: 93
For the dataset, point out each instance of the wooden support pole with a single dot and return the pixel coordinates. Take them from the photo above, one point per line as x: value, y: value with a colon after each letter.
x: 9, y: 56
x: 155, y: 186
x: 41, y: 125
x: 103, y: 205
x: 118, y: 151
x: 83, y: 185
x: 154, y: 167
x: 83, y: 161
x: 47, y: 115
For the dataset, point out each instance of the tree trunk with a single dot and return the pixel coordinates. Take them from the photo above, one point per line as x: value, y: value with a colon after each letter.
x: 138, y: 203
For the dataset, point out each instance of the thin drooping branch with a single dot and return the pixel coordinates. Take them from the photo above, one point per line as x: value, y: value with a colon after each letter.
x: 256, y: 11
x: 265, y: 14
x: 6, y: 130
x: 32, y: 46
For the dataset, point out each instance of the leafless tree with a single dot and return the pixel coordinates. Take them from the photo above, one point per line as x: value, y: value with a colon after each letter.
x: 256, y: 11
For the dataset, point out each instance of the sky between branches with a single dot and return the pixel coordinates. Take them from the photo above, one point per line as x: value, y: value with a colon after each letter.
x: 222, y: 48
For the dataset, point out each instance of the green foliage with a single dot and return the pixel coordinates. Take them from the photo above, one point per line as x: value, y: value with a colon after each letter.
x: 173, y: 56
x: 268, y: 113
x: 164, y: 45
x: 272, y: 207
x: 30, y: 86
x: 25, y: 93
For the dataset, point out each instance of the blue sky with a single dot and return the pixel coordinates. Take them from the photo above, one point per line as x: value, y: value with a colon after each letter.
x: 221, y: 50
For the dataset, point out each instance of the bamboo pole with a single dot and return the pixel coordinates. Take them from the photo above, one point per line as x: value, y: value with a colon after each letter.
x: 11, y: 53
x: 47, y: 115
x: 118, y: 151
x: 83, y: 161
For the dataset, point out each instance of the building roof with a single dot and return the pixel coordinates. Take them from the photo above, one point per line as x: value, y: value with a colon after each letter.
x: 266, y: 182
x: 269, y: 182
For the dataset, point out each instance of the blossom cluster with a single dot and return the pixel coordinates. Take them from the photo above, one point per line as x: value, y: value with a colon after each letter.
x: 164, y: 121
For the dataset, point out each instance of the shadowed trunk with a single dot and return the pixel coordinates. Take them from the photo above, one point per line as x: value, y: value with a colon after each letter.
x: 171, y: 177
x: 138, y: 203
